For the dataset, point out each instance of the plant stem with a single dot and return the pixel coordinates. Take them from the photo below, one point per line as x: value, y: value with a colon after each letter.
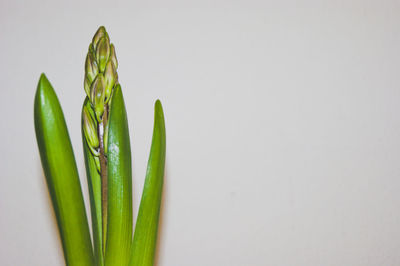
x: 103, y: 175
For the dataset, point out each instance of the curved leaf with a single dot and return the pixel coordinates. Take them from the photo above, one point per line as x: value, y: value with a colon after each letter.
x: 145, y: 238
x: 119, y: 202
x: 61, y: 173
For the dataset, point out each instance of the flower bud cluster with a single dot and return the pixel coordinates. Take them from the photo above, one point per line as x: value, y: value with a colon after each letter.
x: 100, y: 80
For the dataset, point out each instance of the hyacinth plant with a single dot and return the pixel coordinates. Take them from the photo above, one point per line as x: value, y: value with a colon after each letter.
x: 107, y: 156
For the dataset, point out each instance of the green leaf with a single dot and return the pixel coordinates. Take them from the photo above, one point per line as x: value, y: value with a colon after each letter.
x: 145, y: 238
x: 62, y: 176
x: 94, y: 184
x: 119, y: 202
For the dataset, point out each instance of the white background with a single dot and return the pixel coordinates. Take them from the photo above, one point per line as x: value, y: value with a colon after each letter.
x: 283, y: 125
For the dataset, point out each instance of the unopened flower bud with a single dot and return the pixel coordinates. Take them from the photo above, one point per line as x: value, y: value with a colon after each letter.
x: 86, y: 85
x: 91, y: 68
x: 113, y: 56
x: 100, y: 33
x: 109, y: 79
x: 97, y: 93
x: 102, y: 53
x: 90, y: 130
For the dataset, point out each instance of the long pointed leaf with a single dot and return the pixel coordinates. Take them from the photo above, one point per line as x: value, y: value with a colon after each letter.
x: 61, y: 173
x: 145, y: 238
x: 119, y: 201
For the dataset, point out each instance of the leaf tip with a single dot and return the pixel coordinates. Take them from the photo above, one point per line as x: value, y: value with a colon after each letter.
x: 43, y: 80
x: 43, y: 84
x: 158, y: 106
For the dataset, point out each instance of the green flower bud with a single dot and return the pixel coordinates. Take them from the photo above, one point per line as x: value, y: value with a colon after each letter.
x: 97, y: 93
x: 100, y: 33
x: 86, y: 85
x: 91, y: 68
x: 113, y: 56
x: 109, y: 78
x: 103, y: 53
x: 90, y: 131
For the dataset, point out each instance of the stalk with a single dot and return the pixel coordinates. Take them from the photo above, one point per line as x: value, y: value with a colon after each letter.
x: 104, y: 133
x: 62, y: 178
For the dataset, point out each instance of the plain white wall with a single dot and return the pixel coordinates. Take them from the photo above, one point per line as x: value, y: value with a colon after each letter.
x: 283, y: 125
